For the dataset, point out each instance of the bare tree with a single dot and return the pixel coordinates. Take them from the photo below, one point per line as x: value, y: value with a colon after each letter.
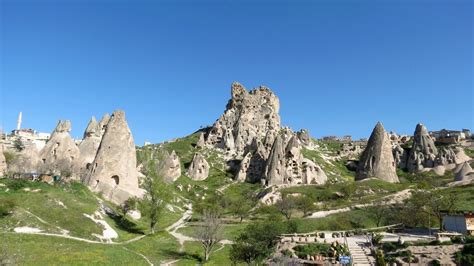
x: 286, y: 206
x: 209, y: 234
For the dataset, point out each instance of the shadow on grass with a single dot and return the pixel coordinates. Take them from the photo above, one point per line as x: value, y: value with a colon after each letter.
x: 183, y: 255
x: 126, y: 225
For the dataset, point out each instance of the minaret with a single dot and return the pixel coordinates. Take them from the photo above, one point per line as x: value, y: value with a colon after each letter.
x: 18, y: 125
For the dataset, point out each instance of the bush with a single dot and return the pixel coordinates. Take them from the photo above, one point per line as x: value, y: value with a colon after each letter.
x: 466, y: 255
x: 313, y: 250
x: 17, y: 184
x: 6, y: 207
x: 379, y: 258
x: 393, y: 246
x: 377, y: 239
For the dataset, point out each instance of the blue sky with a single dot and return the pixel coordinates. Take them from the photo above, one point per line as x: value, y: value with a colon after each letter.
x: 338, y: 67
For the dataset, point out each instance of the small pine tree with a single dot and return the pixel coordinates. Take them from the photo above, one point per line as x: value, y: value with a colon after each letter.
x: 379, y: 258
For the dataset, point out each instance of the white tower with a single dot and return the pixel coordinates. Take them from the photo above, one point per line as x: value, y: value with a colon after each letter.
x: 18, y: 125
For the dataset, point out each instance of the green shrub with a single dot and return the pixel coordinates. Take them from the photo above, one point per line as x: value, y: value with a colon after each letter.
x: 313, y: 250
x: 466, y: 255
x: 379, y: 258
x: 6, y: 207
x: 17, y: 184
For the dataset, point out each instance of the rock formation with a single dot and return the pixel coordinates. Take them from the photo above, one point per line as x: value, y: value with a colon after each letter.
x: 26, y: 161
x: 286, y: 164
x: 399, y: 155
x: 60, y: 155
x: 423, y: 153
x: 377, y: 159
x: 201, y: 141
x: 103, y: 124
x: 274, y: 173
x: 171, y: 167
x: 304, y: 138
x: 90, y: 143
x: 249, y: 115
x: 464, y: 173
x: 3, y: 162
x: 113, y: 171
x: 199, y: 168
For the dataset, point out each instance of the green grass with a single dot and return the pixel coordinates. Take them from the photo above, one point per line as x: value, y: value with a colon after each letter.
x: 229, y: 231
x: 464, y: 195
x: 345, y: 194
x: 341, y: 221
x: 193, y: 255
x: 335, y: 170
x: 47, y: 250
x: 45, y: 204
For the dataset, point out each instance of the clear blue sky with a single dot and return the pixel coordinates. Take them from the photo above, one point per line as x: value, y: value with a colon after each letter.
x: 338, y: 67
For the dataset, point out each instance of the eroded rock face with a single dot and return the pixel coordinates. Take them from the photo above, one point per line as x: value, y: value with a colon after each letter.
x: 61, y: 155
x: 26, y: 161
x: 90, y: 144
x: 304, y: 137
x: 313, y: 173
x: 171, y: 168
x: 201, y: 141
x: 113, y: 171
x: 423, y: 153
x: 377, y: 159
x: 286, y: 164
x: 249, y: 115
x: 103, y: 124
x: 3, y: 162
x: 464, y: 173
x: 199, y: 168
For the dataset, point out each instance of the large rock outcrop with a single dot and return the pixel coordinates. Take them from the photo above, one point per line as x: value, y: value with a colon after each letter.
x: 199, y: 168
x: 464, y: 173
x: 423, y: 153
x: 90, y: 143
x: 61, y: 155
x: 286, y: 164
x: 171, y: 167
x: 114, y: 171
x: 26, y: 161
x: 3, y: 162
x: 250, y: 115
x: 377, y: 159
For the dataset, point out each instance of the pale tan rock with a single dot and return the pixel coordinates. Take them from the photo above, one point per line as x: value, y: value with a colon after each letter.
x: 171, y: 168
x: 423, y: 153
x: 61, y: 155
x: 377, y: 159
x: 464, y: 173
x: 249, y: 115
x: 114, y: 171
x: 25, y: 161
x: 3, y: 162
x: 90, y: 144
x: 199, y: 168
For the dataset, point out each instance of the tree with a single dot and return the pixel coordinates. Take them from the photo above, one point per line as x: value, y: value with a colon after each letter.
x: 240, y: 207
x: 209, y: 234
x: 348, y: 190
x: 256, y: 242
x: 127, y: 206
x: 18, y: 144
x: 286, y: 206
x: 430, y: 203
x: 156, y: 195
x: 305, y: 204
x: 378, y: 212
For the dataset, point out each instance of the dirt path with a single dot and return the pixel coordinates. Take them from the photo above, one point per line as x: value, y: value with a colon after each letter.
x: 389, y: 199
x: 173, y: 229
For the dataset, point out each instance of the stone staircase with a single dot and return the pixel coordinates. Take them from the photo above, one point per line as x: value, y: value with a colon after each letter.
x: 360, y: 253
